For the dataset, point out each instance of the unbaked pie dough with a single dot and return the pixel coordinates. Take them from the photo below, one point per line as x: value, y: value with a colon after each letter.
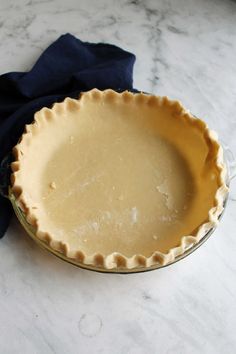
x: 119, y: 179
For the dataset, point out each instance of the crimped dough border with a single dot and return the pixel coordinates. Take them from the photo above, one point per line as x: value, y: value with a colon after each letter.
x: 117, y: 260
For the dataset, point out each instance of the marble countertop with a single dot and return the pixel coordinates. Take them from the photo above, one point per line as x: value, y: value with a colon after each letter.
x: 186, y: 50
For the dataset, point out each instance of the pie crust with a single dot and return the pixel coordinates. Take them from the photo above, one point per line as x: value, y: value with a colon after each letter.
x: 119, y: 180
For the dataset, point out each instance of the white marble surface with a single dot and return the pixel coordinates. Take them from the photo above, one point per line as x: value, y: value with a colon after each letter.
x: 187, y: 50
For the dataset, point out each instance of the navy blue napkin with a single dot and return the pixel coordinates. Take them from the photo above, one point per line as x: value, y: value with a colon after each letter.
x: 66, y: 67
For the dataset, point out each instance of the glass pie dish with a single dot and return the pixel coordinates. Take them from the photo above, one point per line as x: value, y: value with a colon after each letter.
x: 163, y: 105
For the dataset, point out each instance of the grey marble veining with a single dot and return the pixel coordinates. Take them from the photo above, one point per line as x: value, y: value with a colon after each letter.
x: 186, y: 50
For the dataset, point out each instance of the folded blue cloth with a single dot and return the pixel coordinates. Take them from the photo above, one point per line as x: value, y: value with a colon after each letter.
x: 67, y: 67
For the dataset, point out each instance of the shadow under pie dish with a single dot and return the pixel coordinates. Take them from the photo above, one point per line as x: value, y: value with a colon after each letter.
x: 119, y: 181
